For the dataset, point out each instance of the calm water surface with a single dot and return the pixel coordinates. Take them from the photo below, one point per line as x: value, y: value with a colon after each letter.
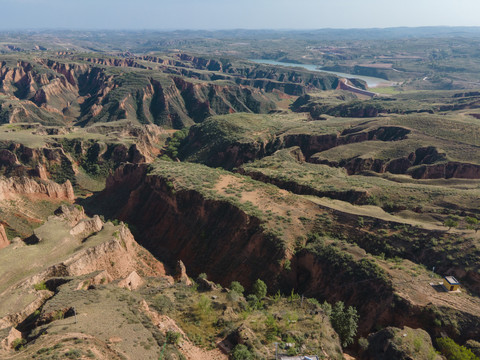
x: 371, y: 81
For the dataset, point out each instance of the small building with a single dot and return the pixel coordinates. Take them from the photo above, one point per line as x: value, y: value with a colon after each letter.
x: 450, y: 283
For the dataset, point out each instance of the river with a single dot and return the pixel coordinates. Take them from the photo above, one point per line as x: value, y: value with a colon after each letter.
x: 371, y: 81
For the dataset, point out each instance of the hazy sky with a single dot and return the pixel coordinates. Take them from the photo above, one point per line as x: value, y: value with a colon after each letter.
x: 227, y: 14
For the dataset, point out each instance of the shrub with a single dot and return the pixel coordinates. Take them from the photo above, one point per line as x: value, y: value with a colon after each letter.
x: 202, y: 276
x: 204, y: 305
x: 327, y: 308
x: 237, y: 287
x: 17, y: 344
x: 73, y: 354
x: 241, y: 352
x: 233, y: 296
x: 417, y: 344
x: 259, y: 289
x: 472, y: 223
x: 474, y: 346
x: 452, y: 351
x: 253, y: 301
x: 292, y: 351
x: 162, y: 304
x: 173, y: 337
x: 363, y: 343
x: 40, y: 286
x: 272, y: 329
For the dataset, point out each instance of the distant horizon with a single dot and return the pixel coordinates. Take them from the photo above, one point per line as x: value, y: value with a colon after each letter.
x: 73, y: 29
x: 213, y: 15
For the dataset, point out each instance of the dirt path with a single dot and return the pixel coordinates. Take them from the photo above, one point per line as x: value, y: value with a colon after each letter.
x: 373, y: 211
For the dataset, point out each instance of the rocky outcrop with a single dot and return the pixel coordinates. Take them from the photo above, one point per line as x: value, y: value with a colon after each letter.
x: 423, y: 163
x: 102, y: 278
x: 344, y: 85
x: 218, y: 238
x: 10, y: 187
x: 132, y: 282
x: 7, y: 158
x: 86, y: 227
x: 13, y: 319
x: 72, y: 214
x: 4, y: 242
x: 268, y: 78
x: 206, y: 285
x: 181, y: 274
x: 6, y: 341
x: 446, y: 170
x: 117, y: 257
x: 401, y: 344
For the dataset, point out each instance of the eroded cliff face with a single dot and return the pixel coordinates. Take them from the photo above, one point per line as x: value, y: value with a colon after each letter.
x: 207, y: 235
x: 231, y: 154
x: 59, y: 91
x: 267, y: 78
x: 218, y: 238
x: 11, y: 187
x: 105, y: 251
x: 63, y: 157
x: 423, y: 163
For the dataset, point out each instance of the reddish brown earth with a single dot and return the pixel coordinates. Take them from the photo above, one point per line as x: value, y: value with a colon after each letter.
x: 4, y: 242
x: 11, y: 187
x: 218, y: 238
x: 146, y: 202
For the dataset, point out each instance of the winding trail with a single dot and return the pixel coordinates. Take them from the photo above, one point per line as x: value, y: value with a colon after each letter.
x: 344, y: 85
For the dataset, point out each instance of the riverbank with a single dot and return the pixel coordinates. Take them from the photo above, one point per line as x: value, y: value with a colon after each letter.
x: 372, y: 82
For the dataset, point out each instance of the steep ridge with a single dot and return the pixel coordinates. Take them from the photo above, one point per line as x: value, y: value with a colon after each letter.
x: 211, y: 235
x: 230, y: 141
x: 235, y: 144
x: 147, y: 202
x: 66, y: 153
x: 54, y: 91
x: 99, y: 247
x: 267, y: 78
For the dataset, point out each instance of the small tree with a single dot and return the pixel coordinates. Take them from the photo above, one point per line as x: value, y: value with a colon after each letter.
x: 450, y: 223
x: 344, y: 322
x: 259, y: 289
x: 472, y: 223
x: 237, y: 287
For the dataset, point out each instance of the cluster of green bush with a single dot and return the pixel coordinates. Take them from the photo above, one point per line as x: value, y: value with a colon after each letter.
x: 452, y: 351
x: 171, y: 152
